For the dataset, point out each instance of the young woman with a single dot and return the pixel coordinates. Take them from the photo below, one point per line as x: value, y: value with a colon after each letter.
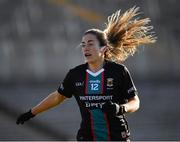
x: 103, y: 87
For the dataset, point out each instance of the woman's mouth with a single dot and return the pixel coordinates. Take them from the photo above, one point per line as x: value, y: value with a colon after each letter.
x: 87, y: 54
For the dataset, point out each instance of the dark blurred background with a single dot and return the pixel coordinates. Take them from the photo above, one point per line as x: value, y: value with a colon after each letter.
x: 39, y: 43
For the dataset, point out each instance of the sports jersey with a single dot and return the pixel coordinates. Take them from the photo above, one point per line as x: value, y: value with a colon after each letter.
x: 91, y: 90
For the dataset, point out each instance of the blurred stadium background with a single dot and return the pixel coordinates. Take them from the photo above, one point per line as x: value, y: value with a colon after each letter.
x: 39, y: 44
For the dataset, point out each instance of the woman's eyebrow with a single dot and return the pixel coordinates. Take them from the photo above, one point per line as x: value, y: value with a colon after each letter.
x: 87, y: 41
x: 90, y: 40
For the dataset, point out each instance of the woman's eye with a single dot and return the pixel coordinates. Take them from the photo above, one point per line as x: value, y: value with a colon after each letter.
x: 89, y: 45
x: 83, y: 46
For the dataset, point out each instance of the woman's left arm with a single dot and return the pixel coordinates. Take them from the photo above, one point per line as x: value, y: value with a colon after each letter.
x: 132, y: 105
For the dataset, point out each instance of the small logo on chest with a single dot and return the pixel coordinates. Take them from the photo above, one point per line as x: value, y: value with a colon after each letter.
x: 77, y: 84
x: 110, y: 82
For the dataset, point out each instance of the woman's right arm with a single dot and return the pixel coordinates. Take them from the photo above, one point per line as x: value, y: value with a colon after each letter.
x: 50, y: 101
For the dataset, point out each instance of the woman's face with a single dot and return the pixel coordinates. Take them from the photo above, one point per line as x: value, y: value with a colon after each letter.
x: 91, y: 48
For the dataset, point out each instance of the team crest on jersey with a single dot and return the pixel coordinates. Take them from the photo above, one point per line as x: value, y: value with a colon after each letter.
x: 109, y: 82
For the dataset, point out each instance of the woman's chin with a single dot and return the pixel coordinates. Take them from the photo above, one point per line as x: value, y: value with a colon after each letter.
x: 89, y: 60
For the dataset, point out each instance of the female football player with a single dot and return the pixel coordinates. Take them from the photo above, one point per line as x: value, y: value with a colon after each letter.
x: 103, y: 87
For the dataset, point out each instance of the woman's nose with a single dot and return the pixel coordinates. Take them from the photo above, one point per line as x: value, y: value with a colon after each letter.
x: 86, y: 49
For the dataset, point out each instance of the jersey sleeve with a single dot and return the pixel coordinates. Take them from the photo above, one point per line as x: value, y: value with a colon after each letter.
x: 129, y: 89
x: 66, y: 87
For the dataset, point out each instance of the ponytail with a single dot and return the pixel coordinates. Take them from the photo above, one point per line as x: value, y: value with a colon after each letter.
x: 125, y: 33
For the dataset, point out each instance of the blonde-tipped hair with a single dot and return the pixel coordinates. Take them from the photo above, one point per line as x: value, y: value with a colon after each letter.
x: 125, y: 33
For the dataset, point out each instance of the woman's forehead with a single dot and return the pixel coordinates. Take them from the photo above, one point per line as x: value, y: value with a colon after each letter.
x: 89, y: 38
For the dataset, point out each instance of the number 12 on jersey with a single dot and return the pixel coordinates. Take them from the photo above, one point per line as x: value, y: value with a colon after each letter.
x: 94, y: 86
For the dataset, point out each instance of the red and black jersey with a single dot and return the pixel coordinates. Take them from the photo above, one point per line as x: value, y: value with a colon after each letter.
x: 91, y: 90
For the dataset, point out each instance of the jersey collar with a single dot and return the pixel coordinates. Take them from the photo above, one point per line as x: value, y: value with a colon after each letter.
x: 95, y: 73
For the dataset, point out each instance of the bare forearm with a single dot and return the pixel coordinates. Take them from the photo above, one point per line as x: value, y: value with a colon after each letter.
x: 133, y: 104
x: 50, y: 101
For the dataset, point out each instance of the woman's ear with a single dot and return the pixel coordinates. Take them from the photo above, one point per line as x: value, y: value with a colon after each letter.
x: 103, y: 49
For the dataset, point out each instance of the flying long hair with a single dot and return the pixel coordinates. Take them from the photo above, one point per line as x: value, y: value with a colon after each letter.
x: 125, y: 33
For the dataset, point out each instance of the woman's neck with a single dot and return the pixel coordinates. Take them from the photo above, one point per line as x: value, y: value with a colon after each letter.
x: 96, y: 66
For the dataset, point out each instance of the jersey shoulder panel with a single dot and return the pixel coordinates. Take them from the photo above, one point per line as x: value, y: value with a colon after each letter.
x: 115, y: 66
x: 79, y: 68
